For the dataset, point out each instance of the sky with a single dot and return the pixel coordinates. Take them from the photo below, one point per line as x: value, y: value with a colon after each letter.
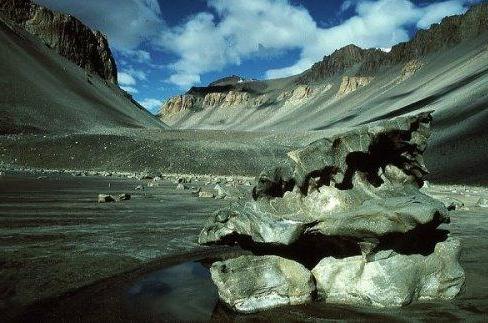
x: 164, y: 47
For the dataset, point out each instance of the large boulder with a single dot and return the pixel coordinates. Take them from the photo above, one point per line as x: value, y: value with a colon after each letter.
x: 388, y: 278
x: 249, y: 284
x: 361, y: 184
x: 350, y: 208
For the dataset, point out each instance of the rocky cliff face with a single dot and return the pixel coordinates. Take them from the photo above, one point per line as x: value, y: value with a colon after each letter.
x: 341, y: 60
x: 65, y: 34
x: 450, y: 31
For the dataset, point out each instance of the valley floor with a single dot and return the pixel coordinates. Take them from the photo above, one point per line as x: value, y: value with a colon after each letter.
x: 64, y: 255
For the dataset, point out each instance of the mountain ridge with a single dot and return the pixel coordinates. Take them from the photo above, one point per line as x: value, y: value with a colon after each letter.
x: 357, y: 67
x: 64, y: 33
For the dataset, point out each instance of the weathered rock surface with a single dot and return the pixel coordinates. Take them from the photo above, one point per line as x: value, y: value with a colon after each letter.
x: 350, y: 84
x: 65, y: 34
x: 363, y: 184
x: 410, y: 68
x: 391, y: 279
x: 249, y: 284
x: 351, y: 208
x: 104, y: 198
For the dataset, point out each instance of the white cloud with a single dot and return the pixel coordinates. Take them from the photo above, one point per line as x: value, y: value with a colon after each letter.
x: 138, y: 55
x: 127, y: 23
x: 152, y: 105
x: 126, y: 79
x: 129, y: 89
x: 135, y: 73
x: 436, y: 11
x: 241, y: 28
x: 233, y: 31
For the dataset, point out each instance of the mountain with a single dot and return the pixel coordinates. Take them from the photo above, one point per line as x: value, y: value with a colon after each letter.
x: 42, y: 92
x: 65, y: 34
x: 344, y: 85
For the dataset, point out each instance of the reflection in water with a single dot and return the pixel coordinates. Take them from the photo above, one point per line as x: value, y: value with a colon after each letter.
x: 183, y: 292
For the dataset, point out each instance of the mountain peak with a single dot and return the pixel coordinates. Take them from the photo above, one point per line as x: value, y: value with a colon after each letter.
x: 65, y: 34
x: 228, y: 80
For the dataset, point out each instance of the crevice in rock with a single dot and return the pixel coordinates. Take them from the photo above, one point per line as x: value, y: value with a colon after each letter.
x: 310, y: 249
x: 388, y: 148
x: 318, y: 178
x: 274, y: 184
x: 422, y: 240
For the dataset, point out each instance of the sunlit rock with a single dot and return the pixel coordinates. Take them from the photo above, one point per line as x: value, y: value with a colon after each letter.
x: 249, y: 284
x: 391, y: 279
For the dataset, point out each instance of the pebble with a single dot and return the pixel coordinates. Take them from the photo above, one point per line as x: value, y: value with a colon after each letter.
x: 482, y: 202
x: 104, y: 198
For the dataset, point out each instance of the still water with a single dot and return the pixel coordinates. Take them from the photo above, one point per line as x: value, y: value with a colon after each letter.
x: 184, y: 292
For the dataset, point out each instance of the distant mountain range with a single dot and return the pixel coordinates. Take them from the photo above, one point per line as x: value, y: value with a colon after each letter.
x: 341, y: 78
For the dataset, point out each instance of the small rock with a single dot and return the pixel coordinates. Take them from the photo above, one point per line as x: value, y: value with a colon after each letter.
x: 482, y: 202
x: 183, y: 180
x: 180, y: 186
x: 455, y: 205
x: 220, y: 192
x: 206, y: 194
x: 104, y: 198
x: 124, y: 197
x: 157, y: 178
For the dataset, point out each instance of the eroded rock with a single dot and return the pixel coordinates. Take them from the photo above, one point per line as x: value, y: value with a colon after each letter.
x: 391, y: 279
x: 249, y: 284
x: 104, y: 198
x: 351, y: 208
x: 361, y: 184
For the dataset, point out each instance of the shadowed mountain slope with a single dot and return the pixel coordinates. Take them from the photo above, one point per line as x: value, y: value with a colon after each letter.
x: 44, y: 92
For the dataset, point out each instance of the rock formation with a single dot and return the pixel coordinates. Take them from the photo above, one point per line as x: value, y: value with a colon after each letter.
x: 352, y: 83
x: 249, y: 283
x: 349, y: 206
x: 65, y: 34
x: 410, y: 68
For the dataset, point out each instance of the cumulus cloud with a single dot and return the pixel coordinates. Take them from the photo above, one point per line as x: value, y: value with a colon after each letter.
x: 152, y: 105
x: 127, y: 23
x: 240, y: 29
x: 126, y: 79
x: 435, y: 12
x: 231, y: 32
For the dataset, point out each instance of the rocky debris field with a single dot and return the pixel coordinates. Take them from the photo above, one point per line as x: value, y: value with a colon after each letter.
x: 55, y: 236
x: 52, y: 225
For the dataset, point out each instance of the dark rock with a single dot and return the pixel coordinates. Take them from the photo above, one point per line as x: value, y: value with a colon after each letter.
x: 65, y: 34
x: 124, y: 197
x: 104, y: 198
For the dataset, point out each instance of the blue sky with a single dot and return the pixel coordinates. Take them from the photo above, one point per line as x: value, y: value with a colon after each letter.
x: 163, y: 47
